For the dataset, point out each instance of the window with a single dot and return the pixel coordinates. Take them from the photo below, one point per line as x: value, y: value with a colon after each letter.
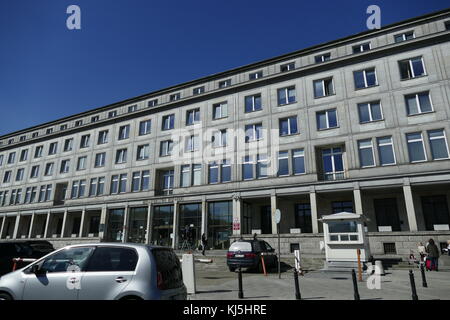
x: 298, y: 161
x: 1, y: 159
x: 283, y: 163
x: 112, y: 114
x: 124, y: 132
x: 365, y: 78
x: 411, y: 68
x: 287, y: 67
x: 366, y: 156
x: 192, y: 117
x: 333, y: 164
x: 224, y: 83
x: 343, y: 206
x: 141, y: 181
x: 143, y: 152
x: 166, y: 148
x: 255, y: 75
x: 102, y: 137
x: 132, y: 108
x: 188, y: 179
x: 19, y: 174
x: 121, y: 156
x: 7, y: 177
x: 167, y: 182
x: 145, y: 127
x: 85, y: 141
x: 53, y: 148
x: 23, y: 155
x: 22, y: 138
x: 152, y: 103
x: 123, y: 183
x: 322, y: 58
x: 438, y: 144
x: 416, y: 149
x: 11, y: 157
x: 261, y: 166
x: 168, y: 122
x: 114, y: 183
x: 286, y: 95
x: 175, y: 97
x: 34, y: 172
x: 370, y: 111
x: 386, y: 151
x: 418, y: 103
x: 35, y: 134
x: 447, y: 25
x: 64, y: 166
x: 389, y: 248
x: 68, y: 145
x: 192, y: 144
x: 38, y: 151
x: 78, y: 123
x: 185, y: 175
x: 288, y: 126
x: 436, y: 208
x: 97, y: 186
x: 323, y: 88
x: 253, y: 103
x: 219, y: 138
x: 95, y: 118
x: 404, y: 36
x: 361, y: 47
x: 198, y: 90
x: 48, y: 169
x: 327, y: 119
x: 81, y: 164
x: 253, y: 132
x: 100, y: 159
x: 220, y: 110
x: 247, y: 168
x: 213, y: 172
x: 225, y: 172
x: 63, y: 127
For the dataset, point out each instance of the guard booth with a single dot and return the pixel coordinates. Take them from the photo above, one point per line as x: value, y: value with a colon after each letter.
x: 344, y: 234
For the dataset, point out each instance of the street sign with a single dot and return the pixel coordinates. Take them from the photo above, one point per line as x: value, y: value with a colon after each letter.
x: 277, y: 216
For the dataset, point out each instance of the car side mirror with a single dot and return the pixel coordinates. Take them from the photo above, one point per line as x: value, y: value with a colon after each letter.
x: 271, y: 250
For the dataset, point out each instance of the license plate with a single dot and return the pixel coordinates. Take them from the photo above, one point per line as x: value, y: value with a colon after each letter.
x: 239, y: 255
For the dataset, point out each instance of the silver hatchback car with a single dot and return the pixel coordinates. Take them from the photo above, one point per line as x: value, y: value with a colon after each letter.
x: 100, y: 271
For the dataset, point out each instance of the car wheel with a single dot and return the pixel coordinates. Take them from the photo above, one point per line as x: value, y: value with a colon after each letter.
x: 5, y: 296
x: 232, y: 269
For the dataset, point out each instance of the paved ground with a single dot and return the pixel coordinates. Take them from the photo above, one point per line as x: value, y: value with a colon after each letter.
x: 215, y: 282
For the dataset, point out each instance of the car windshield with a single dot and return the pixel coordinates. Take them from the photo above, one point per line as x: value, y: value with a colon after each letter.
x: 240, y: 246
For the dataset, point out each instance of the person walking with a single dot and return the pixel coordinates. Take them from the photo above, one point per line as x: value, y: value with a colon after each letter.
x: 204, y: 243
x: 432, y: 255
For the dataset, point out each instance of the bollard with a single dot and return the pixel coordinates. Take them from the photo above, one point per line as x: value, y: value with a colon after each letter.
x: 355, y: 285
x: 424, y: 279
x: 297, y: 287
x: 241, y: 293
x: 413, y: 285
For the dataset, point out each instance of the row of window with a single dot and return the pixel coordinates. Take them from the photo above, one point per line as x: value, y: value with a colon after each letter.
x: 32, y: 194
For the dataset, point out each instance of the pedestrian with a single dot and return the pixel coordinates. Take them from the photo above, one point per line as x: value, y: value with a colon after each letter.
x: 422, y: 252
x: 204, y: 243
x: 432, y: 255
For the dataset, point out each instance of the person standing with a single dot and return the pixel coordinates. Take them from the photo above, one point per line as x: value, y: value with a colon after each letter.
x: 422, y: 252
x: 432, y: 254
x: 204, y: 243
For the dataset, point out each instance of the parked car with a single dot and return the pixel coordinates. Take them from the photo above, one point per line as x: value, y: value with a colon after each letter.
x: 21, y: 249
x: 100, y: 271
x: 247, y: 254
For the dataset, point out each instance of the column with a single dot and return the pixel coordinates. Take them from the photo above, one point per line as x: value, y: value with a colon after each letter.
x: 313, y: 204
x: 125, y: 224
x: 148, y: 234
x: 2, y: 226
x: 204, y: 217
x: 175, y: 224
x: 358, y: 201
x: 102, y: 228
x: 273, y: 204
x: 63, y: 228
x: 16, y: 226
x: 30, y: 232
x: 237, y: 214
x: 83, y: 214
x: 47, y: 223
x: 410, y: 210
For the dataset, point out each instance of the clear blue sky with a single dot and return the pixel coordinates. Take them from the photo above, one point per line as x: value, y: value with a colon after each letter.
x: 131, y: 47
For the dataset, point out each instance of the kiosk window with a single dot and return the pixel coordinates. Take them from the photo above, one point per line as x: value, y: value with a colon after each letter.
x: 342, y: 226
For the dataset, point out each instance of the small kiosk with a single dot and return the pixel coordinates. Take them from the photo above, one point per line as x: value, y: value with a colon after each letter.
x: 344, y: 234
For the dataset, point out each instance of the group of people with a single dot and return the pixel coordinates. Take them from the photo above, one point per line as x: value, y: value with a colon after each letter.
x: 429, y: 255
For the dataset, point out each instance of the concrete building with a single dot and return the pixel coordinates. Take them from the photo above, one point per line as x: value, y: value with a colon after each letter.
x: 359, y: 124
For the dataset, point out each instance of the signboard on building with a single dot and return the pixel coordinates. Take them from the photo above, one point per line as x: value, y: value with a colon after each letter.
x: 236, y: 225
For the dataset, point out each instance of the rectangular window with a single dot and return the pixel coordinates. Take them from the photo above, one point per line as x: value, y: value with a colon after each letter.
x: 322, y: 58
x: 447, y: 25
x: 64, y: 166
x: 298, y: 161
x: 167, y: 182
x: 247, y: 168
x: 93, y: 187
x: 283, y: 163
x: 287, y: 67
x: 192, y: 117
x: 78, y: 123
x: 288, y: 126
x: 404, y: 36
x: 438, y: 144
x: 286, y: 95
x: 123, y: 183
x: 11, y: 157
x: 143, y: 152
x: 192, y: 143
x: 323, y: 88
x: 85, y: 141
x: 1, y: 159
x: 418, y: 103
x: 166, y: 148
x: 152, y: 103
x: 95, y: 118
x: 220, y: 110
x: 365, y: 78
x: 53, y: 148
x: 38, y: 151
x: 253, y: 132
x: 124, y: 132
x: 213, y: 172
x: 100, y: 159
x: 112, y: 114
x: 386, y: 151
x: 168, y: 122
x: 261, y: 166
x: 361, y: 47
x: 416, y: 148
x: 333, y: 164
x: 81, y: 164
x: 74, y: 193
x: 224, y: 83
x: 132, y: 108
x: 23, y: 156
x: 370, y: 111
x: 121, y: 156
x: 255, y: 75
x: 185, y: 175
x: 196, y: 174
x: 114, y: 184
x: 175, y: 97
x: 145, y: 180
x: 102, y: 137
x: 219, y: 138
x: 68, y: 145
x: 327, y: 119
x: 63, y: 127
x: 145, y: 127
x: 19, y: 174
x: 225, y: 172
x: 411, y: 68
x: 48, y: 169
x: 366, y: 156
x: 253, y: 103
x: 101, y: 186
x: 34, y: 172
x: 198, y: 90
x: 136, y: 182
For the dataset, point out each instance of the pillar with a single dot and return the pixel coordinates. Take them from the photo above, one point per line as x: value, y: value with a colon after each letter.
x: 63, y: 228
x: 16, y: 226
x: 83, y: 214
x: 102, y: 229
x: 148, y: 234
x: 47, y: 222
x: 313, y: 204
x: 175, y: 224
x: 358, y: 201
x: 204, y: 217
x: 410, y: 210
x: 237, y: 214
x: 125, y: 224
x: 273, y: 204
x: 30, y: 232
x: 2, y: 227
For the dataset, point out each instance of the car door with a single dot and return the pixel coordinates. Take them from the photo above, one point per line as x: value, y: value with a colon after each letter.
x: 108, y: 272
x: 269, y: 253
x: 58, y: 277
